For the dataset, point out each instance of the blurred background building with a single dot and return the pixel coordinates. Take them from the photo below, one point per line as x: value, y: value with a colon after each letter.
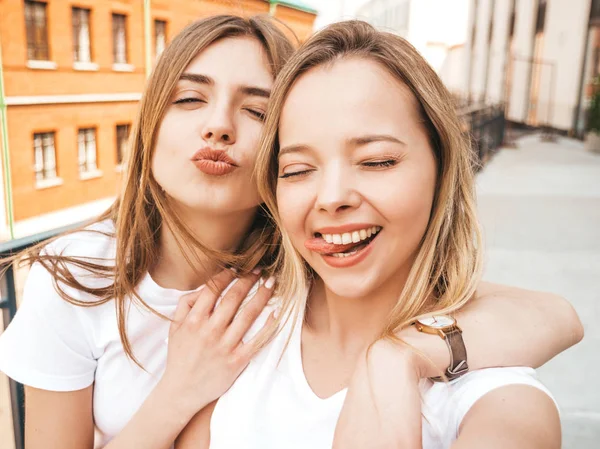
x: 72, y: 75
x: 538, y: 56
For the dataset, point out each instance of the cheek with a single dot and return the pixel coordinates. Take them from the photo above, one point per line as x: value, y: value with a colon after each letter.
x: 407, y: 206
x: 293, y: 204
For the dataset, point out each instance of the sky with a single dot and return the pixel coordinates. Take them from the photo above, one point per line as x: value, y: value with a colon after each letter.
x: 449, y: 26
x: 332, y: 10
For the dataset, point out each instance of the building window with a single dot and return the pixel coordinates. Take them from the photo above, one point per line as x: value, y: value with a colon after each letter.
x: 36, y: 24
x: 122, y: 141
x: 119, y: 26
x: 595, y: 11
x: 160, y: 36
x: 86, y: 141
x: 541, y: 16
x: 44, y: 156
x: 82, y: 47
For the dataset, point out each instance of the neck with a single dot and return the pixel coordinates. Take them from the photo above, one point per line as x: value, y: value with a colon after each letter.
x: 223, y: 233
x: 352, y: 323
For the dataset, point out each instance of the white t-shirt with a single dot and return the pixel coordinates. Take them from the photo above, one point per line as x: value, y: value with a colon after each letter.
x: 54, y: 345
x: 271, y: 405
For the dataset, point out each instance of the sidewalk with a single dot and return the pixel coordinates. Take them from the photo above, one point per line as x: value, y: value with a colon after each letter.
x: 540, y: 209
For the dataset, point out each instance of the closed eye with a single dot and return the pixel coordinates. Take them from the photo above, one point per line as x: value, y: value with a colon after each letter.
x: 260, y: 115
x: 380, y: 164
x: 188, y: 100
x: 296, y: 173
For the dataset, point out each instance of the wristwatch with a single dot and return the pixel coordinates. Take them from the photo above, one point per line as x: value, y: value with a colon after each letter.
x: 446, y: 327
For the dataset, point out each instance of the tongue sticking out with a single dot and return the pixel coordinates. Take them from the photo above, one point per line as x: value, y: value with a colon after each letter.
x: 319, y: 245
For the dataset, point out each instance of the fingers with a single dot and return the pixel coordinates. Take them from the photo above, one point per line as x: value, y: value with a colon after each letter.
x: 248, y: 315
x: 208, y: 296
x: 182, y: 310
x: 247, y: 350
x: 230, y: 304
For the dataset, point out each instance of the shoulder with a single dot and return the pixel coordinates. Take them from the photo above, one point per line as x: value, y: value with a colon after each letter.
x: 96, y: 241
x: 76, y: 255
x: 450, y: 403
x: 516, y: 415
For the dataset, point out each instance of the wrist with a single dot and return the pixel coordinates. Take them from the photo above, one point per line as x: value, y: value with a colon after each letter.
x: 430, y: 353
x: 178, y: 402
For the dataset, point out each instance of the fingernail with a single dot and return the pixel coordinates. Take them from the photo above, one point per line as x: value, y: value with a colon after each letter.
x: 233, y: 269
x: 256, y: 271
x: 270, y: 282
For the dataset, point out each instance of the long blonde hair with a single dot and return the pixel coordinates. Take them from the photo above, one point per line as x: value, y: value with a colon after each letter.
x: 448, y: 262
x: 143, y: 208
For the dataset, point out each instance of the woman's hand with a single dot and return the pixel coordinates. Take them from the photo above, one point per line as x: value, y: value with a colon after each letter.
x: 383, y: 405
x: 206, y: 352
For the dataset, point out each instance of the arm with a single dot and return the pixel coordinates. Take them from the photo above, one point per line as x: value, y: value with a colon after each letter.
x: 516, y: 416
x: 196, y: 434
x: 59, y: 420
x: 375, y: 416
x: 496, y: 322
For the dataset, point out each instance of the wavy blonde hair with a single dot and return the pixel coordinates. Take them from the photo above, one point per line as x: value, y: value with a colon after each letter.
x: 143, y: 207
x: 448, y: 262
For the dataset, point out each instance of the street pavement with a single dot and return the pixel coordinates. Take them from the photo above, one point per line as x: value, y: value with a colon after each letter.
x: 539, y: 205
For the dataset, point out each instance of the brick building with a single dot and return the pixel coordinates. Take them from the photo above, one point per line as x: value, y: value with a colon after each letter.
x: 73, y: 72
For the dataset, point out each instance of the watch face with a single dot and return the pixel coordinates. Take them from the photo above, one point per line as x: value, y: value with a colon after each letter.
x: 437, y: 321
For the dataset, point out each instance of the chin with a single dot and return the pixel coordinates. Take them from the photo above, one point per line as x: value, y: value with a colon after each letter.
x: 349, y: 286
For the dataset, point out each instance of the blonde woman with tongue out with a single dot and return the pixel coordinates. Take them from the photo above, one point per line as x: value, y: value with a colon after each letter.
x: 364, y: 167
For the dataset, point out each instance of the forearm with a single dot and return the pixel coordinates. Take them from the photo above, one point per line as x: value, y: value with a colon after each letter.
x: 383, y: 405
x: 495, y: 325
x: 156, y: 424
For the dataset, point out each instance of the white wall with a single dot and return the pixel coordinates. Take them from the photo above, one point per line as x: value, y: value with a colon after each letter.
x: 523, y: 49
x: 498, y: 57
x: 480, y: 55
x: 564, y: 45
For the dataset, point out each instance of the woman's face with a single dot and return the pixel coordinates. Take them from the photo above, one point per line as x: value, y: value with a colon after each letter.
x: 356, y: 176
x: 207, y: 141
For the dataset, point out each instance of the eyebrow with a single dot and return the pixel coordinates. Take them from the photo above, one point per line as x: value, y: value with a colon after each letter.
x: 292, y: 149
x: 256, y: 91
x: 354, y: 141
x: 252, y: 91
x: 364, y: 140
x: 197, y: 78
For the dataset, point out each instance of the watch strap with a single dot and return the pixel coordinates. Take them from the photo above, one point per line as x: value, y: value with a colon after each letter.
x: 458, y: 355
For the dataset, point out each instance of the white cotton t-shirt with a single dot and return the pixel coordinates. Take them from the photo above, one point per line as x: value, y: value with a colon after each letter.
x: 272, y: 406
x: 54, y: 345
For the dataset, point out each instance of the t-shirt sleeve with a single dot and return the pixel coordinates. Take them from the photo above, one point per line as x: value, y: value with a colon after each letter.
x: 466, y: 391
x: 47, y: 346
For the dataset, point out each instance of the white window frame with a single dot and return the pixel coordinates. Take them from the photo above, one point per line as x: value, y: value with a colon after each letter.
x: 87, y: 153
x: 44, y: 156
x: 83, y: 52
x: 160, y: 40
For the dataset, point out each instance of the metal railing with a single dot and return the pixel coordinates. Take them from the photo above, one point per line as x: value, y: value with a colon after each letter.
x: 485, y: 124
x: 8, y: 305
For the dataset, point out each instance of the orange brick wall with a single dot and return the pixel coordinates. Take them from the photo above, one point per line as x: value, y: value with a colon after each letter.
x: 66, y: 119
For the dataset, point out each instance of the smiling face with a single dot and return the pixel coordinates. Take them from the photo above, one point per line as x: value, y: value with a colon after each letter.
x: 206, y: 145
x: 356, y: 176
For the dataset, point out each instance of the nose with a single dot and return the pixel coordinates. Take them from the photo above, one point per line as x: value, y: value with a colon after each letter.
x: 336, y: 193
x: 219, y: 127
